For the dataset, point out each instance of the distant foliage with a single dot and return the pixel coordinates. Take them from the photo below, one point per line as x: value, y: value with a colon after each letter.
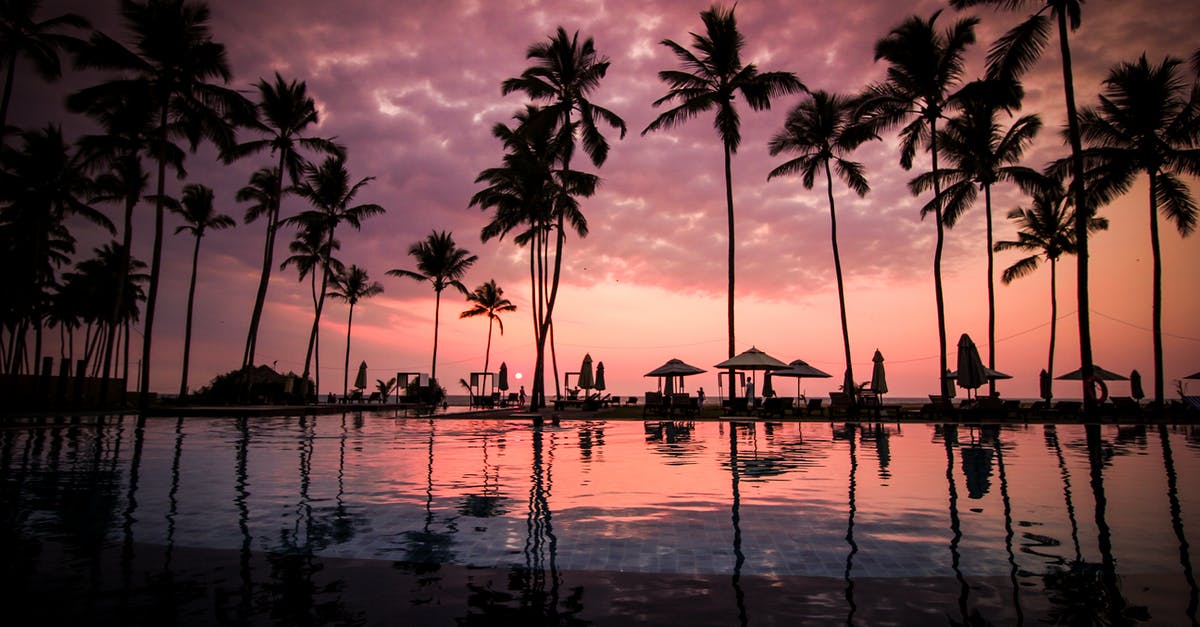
x: 254, y: 385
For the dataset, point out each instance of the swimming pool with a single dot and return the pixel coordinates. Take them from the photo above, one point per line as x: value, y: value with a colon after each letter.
x: 370, y: 519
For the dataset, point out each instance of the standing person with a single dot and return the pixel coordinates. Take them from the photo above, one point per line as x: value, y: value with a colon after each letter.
x: 522, y: 400
x: 750, y: 392
x: 700, y: 397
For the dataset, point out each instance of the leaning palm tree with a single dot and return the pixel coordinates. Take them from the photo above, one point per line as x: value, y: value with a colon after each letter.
x: 710, y: 81
x: 312, y: 252
x: 285, y: 111
x: 824, y: 129
x: 443, y: 264
x: 196, y: 208
x: 351, y: 286
x: 1047, y: 230
x: 175, y: 57
x: 22, y: 34
x: 1011, y: 56
x: 924, y: 67
x: 328, y: 189
x: 1148, y: 120
x: 981, y: 153
x: 488, y: 300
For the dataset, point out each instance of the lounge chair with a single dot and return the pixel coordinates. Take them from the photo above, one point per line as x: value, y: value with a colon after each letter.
x: 632, y: 400
x: 655, y: 405
x: 840, y: 403
x: 813, y: 406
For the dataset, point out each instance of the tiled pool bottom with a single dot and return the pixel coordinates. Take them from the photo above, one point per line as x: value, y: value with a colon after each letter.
x: 218, y: 520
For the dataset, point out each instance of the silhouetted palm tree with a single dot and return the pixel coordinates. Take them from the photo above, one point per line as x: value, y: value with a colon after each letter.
x: 441, y: 262
x: 312, y: 253
x: 981, y: 153
x: 196, y: 207
x: 174, y: 57
x: 1148, y: 121
x: 924, y: 66
x: 22, y: 34
x: 1046, y: 229
x: 327, y: 187
x: 488, y: 300
x: 710, y: 81
x: 351, y: 286
x: 285, y: 111
x: 1010, y: 57
x: 824, y: 130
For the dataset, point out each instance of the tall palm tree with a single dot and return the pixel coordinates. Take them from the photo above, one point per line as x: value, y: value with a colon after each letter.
x: 443, y: 264
x: 981, y: 153
x: 351, y: 286
x: 924, y: 67
x: 1010, y: 57
x: 488, y: 300
x: 709, y: 81
x: 824, y: 129
x: 196, y: 208
x: 22, y: 34
x: 175, y: 57
x: 285, y: 111
x: 1148, y: 120
x: 328, y: 189
x: 312, y: 252
x: 1047, y: 230
x: 564, y: 73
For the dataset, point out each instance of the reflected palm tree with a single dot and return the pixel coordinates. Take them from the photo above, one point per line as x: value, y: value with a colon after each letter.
x: 1008, y: 530
x: 851, y: 508
x: 1051, y: 437
x: 950, y: 439
x: 490, y: 502
x: 173, y: 497
x: 241, y: 502
x: 1185, y: 559
x: 428, y: 548
x: 739, y: 558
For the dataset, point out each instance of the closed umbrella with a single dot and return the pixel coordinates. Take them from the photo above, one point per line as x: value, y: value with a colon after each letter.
x: 360, y: 381
x: 1135, y: 385
x: 586, y: 379
x: 600, y: 377
x: 502, y: 385
x: 1044, y: 385
x: 878, y: 375
x: 971, y: 374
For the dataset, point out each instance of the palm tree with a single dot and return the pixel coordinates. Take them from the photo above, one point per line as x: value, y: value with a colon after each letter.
x: 351, y: 286
x: 981, y: 153
x: 441, y: 262
x: 824, y: 129
x: 924, y: 65
x: 327, y: 188
x: 488, y: 300
x: 564, y: 73
x: 1047, y: 230
x: 710, y: 81
x: 285, y: 110
x: 313, y: 252
x: 21, y: 34
x: 1148, y: 121
x: 196, y: 208
x: 175, y: 58
x: 1011, y: 56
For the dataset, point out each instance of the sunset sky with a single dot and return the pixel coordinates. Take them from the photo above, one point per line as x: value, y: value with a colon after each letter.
x: 413, y: 89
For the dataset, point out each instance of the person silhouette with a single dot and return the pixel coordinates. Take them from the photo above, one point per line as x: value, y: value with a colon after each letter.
x: 700, y: 396
x: 522, y: 397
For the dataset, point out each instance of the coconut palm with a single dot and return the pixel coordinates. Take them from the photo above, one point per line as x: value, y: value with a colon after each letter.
x: 564, y: 73
x: 1148, y: 120
x: 312, y: 252
x: 443, y: 264
x: 488, y: 300
x: 709, y: 81
x: 285, y: 111
x: 196, y: 208
x: 175, y: 57
x: 1047, y: 230
x: 1009, y: 58
x: 22, y: 34
x: 981, y: 153
x: 351, y: 286
x: 924, y: 67
x: 824, y: 129
x: 328, y: 189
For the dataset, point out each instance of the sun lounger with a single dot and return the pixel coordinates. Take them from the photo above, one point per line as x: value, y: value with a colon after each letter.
x: 840, y: 403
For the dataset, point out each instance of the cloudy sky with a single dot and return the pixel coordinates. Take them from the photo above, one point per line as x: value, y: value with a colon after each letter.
x: 412, y: 89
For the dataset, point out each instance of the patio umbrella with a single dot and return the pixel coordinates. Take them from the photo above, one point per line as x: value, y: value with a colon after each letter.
x: 800, y: 369
x: 1195, y: 375
x: 878, y: 375
x: 360, y: 380
x: 586, y: 380
x: 1044, y: 385
x: 674, y: 368
x: 752, y: 359
x: 971, y: 373
x: 1135, y: 385
x: 1101, y: 373
x: 502, y: 385
x: 600, y: 377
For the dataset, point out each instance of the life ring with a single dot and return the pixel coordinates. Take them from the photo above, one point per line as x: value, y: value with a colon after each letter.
x: 1092, y: 384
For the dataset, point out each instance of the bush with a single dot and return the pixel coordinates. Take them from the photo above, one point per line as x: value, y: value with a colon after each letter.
x: 253, y: 386
x: 432, y: 394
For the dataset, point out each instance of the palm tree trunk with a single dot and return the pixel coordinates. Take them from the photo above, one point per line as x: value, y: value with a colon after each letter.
x: 187, y: 333
x: 837, y: 270
x: 1053, y: 317
x: 155, y: 264
x: 991, y: 282
x: 8, y: 85
x: 1083, y: 214
x: 346, y: 371
x: 732, y: 247
x: 122, y: 278
x: 312, y: 337
x: 437, y: 313
x: 1156, y: 309
x: 487, y: 354
x: 264, y: 280
x: 937, y: 264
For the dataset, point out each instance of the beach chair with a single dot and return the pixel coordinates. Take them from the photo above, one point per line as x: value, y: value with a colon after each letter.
x: 655, y: 405
x: 632, y: 400
x: 813, y: 406
x: 840, y: 403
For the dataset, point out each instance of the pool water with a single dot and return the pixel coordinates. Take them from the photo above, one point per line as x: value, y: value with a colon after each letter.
x: 373, y: 519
